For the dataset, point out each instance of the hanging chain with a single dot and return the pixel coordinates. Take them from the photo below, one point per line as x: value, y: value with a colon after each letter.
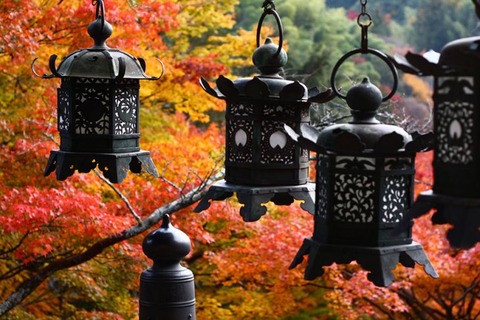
x: 364, y: 20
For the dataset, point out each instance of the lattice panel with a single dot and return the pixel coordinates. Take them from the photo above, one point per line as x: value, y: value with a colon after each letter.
x: 92, y: 111
x: 354, y: 191
x: 404, y: 163
x: 126, y: 108
x: 240, y: 141
x: 455, y: 120
x: 455, y: 132
x: 280, y: 111
x: 240, y: 109
x: 276, y: 146
x: 322, y: 185
x: 396, y: 198
x: 64, y: 110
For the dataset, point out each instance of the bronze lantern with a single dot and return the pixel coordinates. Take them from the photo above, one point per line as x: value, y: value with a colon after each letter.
x: 98, y: 109
x: 261, y: 162
x: 455, y: 194
x: 364, y: 186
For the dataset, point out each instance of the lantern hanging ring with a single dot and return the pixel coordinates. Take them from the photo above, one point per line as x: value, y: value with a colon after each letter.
x: 269, y: 8
x: 100, y: 12
x: 375, y: 52
x: 364, y: 20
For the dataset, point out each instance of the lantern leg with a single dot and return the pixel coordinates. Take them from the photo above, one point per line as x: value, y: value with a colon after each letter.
x: 113, y: 165
x: 254, y: 198
x: 463, y: 214
x: 380, y: 261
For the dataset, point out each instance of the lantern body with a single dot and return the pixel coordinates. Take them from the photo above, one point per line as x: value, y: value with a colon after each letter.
x: 457, y: 142
x: 456, y: 166
x: 258, y: 151
x: 364, y: 190
x: 98, y: 115
x: 262, y: 163
x: 98, y: 108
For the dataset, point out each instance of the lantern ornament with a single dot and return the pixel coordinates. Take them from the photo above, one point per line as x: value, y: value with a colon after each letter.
x: 98, y: 109
x: 364, y: 187
x: 455, y: 195
x: 262, y: 163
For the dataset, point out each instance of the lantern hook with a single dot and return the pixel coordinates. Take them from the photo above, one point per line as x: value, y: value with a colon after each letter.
x: 100, y: 11
x: 51, y: 64
x: 269, y: 8
x: 375, y: 52
x: 144, y: 68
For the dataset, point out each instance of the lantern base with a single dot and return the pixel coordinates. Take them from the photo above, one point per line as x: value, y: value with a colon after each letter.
x: 113, y: 165
x: 463, y: 214
x: 253, y: 198
x: 380, y: 261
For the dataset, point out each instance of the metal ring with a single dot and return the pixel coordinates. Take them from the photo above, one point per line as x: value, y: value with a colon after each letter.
x: 279, y: 24
x: 375, y: 52
x: 362, y: 15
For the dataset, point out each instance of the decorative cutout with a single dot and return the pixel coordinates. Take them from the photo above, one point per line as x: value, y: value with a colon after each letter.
x: 241, y: 138
x: 278, y: 139
x: 92, y: 109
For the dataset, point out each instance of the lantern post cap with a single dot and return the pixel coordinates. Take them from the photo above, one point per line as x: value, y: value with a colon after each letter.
x: 167, y: 243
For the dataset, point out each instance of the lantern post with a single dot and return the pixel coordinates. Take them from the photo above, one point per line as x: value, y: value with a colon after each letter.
x: 455, y: 195
x: 364, y: 185
x: 261, y: 162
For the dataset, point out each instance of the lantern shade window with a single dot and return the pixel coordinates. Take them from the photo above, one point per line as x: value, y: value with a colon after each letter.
x: 98, y: 109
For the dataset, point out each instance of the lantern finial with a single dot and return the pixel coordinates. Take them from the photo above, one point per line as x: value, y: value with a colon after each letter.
x: 100, y: 30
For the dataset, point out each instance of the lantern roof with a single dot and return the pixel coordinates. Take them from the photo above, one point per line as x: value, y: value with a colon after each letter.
x: 458, y: 56
x: 269, y: 84
x: 99, y: 61
x: 270, y: 59
x: 364, y: 134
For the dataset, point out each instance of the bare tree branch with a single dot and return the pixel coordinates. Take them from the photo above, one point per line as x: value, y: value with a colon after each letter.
x: 26, y: 287
x: 120, y: 194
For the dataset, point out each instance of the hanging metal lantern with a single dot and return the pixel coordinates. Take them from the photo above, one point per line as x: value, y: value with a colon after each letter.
x: 456, y: 166
x: 98, y: 109
x: 364, y: 187
x: 262, y: 163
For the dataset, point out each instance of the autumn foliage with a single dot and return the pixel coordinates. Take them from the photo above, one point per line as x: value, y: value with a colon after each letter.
x: 75, y: 245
